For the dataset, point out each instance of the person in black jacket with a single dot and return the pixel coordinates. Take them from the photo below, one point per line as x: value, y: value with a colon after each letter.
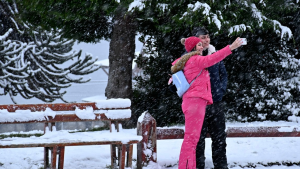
x: 214, y: 121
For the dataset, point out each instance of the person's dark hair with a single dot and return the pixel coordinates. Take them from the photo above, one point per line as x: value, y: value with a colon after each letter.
x: 200, y: 31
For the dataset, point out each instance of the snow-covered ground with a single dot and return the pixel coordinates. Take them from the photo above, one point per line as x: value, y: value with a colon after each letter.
x: 241, y: 152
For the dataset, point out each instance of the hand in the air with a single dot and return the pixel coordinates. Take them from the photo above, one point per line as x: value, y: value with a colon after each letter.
x: 237, y: 43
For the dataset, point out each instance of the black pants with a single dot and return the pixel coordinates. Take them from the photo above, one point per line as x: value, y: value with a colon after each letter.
x: 214, y: 124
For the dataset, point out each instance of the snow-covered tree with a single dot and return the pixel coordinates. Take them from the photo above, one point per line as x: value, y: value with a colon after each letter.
x: 162, y: 25
x: 270, y: 44
x: 264, y: 80
x: 37, y: 63
x: 264, y: 75
x: 91, y: 21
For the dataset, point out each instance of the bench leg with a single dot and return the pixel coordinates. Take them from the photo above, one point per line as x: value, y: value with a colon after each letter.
x: 129, y: 150
x: 61, y: 157
x: 46, y: 157
x: 122, y: 149
x: 53, y: 157
x: 113, y: 155
x: 122, y: 154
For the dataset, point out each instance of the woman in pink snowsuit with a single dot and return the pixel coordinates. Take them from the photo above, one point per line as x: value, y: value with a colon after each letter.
x: 196, y: 98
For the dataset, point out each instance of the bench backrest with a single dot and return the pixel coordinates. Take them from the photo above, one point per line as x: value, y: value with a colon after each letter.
x: 112, y: 110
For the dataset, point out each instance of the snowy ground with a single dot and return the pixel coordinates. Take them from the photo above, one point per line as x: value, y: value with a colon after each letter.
x: 241, y: 152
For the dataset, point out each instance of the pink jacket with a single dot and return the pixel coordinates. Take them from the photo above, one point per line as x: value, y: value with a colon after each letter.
x: 201, y: 86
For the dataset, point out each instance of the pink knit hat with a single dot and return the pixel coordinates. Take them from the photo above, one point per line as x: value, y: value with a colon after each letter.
x: 191, y: 42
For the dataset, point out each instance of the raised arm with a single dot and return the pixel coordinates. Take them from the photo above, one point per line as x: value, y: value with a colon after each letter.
x: 210, y: 60
x: 216, y: 57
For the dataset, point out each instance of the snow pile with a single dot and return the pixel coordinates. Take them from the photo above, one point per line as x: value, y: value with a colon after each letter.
x: 113, y: 103
x: 117, y: 114
x: 87, y: 113
x: 25, y: 115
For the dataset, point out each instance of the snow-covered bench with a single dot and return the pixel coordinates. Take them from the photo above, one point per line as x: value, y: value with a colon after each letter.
x: 113, y: 110
x: 147, y: 128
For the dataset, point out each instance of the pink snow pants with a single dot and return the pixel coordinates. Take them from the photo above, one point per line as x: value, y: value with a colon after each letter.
x: 194, y: 111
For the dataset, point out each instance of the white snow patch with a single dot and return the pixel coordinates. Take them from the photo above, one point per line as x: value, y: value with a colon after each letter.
x: 237, y: 28
x: 87, y: 113
x: 117, y: 114
x: 284, y: 29
x: 25, y: 115
x: 141, y: 118
x: 136, y: 4
x: 113, y: 103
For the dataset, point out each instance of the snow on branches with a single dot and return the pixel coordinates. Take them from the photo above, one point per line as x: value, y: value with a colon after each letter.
x: 235, y: 17
x: 38, y: 63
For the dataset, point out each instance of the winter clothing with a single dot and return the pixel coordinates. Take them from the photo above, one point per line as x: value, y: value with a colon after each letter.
x: 179, y: 65
x: 201, y: 86
x: 191, y: 42
x: 217, y: 73
x: 218, y: 76
x: 194, y: 102
x: 194, y: 116
x: 214, y: 122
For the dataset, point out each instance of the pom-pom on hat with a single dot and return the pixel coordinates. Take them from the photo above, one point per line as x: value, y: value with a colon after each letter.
x: 191, y: 42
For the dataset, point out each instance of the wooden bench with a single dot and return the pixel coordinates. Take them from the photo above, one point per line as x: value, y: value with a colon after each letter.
x: 114, y: 111
x: 146, y: 127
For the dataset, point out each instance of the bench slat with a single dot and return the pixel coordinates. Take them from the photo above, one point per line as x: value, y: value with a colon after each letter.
x: 66, y: 144
x: 265, y: 134
x: 233, y: 132
x: 68, y: 118
x: 53, y: 106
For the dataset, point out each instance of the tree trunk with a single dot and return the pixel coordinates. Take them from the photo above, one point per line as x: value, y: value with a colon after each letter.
x: 121, y: 54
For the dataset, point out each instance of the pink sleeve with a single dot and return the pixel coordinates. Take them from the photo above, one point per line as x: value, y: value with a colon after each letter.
x: 209, y: 60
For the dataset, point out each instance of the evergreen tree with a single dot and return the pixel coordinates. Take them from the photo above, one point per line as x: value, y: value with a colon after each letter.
x: 33, y: 61
x: 162, y: 25
x: 225, y: 20
x: 267, y: 83
x: 263, y: 79
x: 91, y: 21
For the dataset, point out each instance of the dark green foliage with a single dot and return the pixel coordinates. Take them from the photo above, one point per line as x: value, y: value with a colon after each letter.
x: 87, y: 21
x: 151, y: 93
x: 258, y: 81
x: 252, y: 69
